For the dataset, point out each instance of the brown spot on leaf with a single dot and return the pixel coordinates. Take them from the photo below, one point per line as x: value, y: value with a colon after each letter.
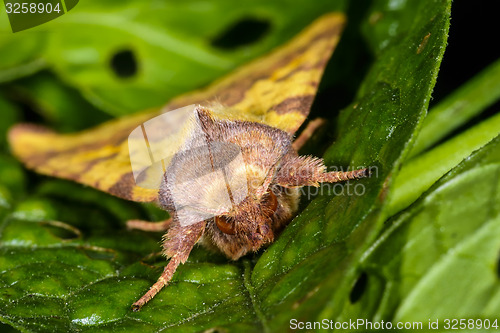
x: 423, y: 43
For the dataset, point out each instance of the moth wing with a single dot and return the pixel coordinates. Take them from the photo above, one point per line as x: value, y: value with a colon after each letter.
x: 277, y: 89
x: 97, y: 157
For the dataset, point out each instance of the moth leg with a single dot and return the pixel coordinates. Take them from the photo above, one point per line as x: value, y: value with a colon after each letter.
x: 177, y: 244
x: 310, y: 171
x: 306, y: 134
x: 149, y: 226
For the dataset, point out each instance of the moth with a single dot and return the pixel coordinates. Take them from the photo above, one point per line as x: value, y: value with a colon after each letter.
x: 251, y: 114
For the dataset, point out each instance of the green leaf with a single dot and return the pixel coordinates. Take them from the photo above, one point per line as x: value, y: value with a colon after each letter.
x: 440, y: 258
x: 25, y: 61
x: 9, y: 114
x: 467, y: 101
x: 62, y: 108
x: 433, y: 164
x: 69, y: 264
x: 463, y: 104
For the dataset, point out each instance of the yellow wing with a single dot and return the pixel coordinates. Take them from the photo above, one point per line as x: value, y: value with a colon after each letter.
x: 277, y: 89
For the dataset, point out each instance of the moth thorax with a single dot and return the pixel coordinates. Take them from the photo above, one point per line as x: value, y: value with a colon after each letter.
x: 226, y: 185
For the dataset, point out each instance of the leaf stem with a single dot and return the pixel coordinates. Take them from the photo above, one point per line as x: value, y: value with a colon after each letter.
x: 422, y: 171
x: 460, y: 106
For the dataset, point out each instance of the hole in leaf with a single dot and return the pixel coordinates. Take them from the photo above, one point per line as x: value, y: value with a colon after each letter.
x: 244, y: 32
x: 61, y: 230
x: 124, y: 63
x: 359, y: 288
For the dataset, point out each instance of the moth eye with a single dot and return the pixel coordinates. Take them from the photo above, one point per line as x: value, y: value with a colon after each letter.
x: 270, y: 204
x: 224, y: 225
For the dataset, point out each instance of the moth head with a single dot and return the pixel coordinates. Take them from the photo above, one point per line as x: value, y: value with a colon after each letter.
x: 251, y: 220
